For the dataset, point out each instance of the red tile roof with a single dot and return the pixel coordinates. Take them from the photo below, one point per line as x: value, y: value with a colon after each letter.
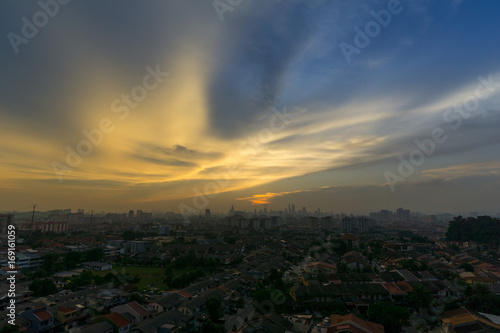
x: 222, y: 288
x: 139, y: 309
x: 65, y: 309
x: 338, y: 322
x: 349, y: 237
x: 43, y: 315
x: 117, y: 319
x: 182, y: 293
x: 393, y: 289
x: 321, y: 263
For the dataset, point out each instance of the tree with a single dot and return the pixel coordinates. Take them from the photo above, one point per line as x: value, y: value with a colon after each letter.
x: 451, y: 304
x: 42, y: 287
x: 467, y: 267
x: 483, y: 229
x: 50, y: 261
x: 209, y: 327
x: 479, y: 298
x: 392, y: 317
x: 138, y: 298
x: 336, y: 307
x: 94, y: 254
x: 72, y: 258
x: 214, y: 308
x: 340, y: 247
x: 7, y: 328
x: 420, y: 297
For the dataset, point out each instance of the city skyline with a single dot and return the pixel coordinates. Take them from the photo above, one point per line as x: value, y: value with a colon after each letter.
x: 186, y: 106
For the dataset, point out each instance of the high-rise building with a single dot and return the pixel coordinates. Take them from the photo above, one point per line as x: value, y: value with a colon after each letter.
x: 356, y: 224
x: 312, y: 222
x: 327, y: 223
x: 403, y: 214
x: 5, y: 221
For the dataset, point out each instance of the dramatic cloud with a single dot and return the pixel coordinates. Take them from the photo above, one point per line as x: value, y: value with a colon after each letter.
x: 264, y: 103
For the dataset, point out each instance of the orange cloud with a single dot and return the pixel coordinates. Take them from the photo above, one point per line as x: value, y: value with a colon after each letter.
x: 264, y: 199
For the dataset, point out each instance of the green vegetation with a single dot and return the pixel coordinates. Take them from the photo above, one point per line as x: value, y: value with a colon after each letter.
x: 7, y: 328
x: 483, y: 229
x: 479, y: 298
x: 145, y: 278
x: 94, y: 254
x: 392, y: 317
x: 210, y: 327
x: 272, y: 294
x: 420, y: 297
x: 42, y: 287
x: 340, y: 247
x: 467, y: 267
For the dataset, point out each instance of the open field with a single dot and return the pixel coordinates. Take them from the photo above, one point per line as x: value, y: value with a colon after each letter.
x: 151, y: 277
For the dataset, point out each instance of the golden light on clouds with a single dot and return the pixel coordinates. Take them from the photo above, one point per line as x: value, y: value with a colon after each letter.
x: 264, y: 199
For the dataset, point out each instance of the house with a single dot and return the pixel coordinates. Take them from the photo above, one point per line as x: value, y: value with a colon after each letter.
x: 348, y: 323
x: 193, y: 306
x: 181, y: 293
x: 169, y: 302
x: 66, y: 314
x: 138, y: 312
x: 397, y: 295
x: 355, y: 260
x: 166, y: 322
x: 40, y: 319
x: 351, y: 240
x: 120, y: 324
x: 112, y: 297
x: 102, y: 327
x: 301, y: 323
x: 459, y: 320
x: 271, y: 322
x: 97, y: 266
x: 320, y: 267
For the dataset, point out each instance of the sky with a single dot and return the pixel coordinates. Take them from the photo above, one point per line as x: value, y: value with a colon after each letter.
x: 183, y: 105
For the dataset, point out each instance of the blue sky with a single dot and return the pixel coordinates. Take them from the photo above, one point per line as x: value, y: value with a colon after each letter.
x: 349, y: 123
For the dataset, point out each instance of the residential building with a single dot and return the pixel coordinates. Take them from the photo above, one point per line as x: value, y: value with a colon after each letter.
x: 320, y: 267
x: 348, y: 323
x: 40, y: 319
x: 97, y: 266
x: 138, y: 312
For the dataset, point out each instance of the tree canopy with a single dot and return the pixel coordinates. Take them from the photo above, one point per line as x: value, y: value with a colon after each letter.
x: 483, y: 229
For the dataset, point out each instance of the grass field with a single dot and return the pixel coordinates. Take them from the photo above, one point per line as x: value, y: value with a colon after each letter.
x: 151, y: 277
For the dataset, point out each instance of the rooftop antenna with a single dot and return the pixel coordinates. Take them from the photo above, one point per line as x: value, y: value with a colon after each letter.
x: 91, y: 223
x: 32, y: 219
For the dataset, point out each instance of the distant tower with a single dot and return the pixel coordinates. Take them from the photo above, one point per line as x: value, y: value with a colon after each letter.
x: 289, y: 209
x: 207, y: 212
x: 232, y: 210
x: 130, y: 214
x: 265, y: 209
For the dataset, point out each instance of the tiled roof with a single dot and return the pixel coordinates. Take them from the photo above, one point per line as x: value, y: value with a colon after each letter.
x: 340, y: 322
x: 43, y: 315
x: 393, y: 289
x: 117, y: 319
x: 139, y: 309
x: 182, y: 293
x: 321, y: 263
x: 65, y: 309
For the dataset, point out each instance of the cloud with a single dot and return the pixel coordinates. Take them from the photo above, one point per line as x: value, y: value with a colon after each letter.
x: 261, y: 199
x: 465, y: 170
